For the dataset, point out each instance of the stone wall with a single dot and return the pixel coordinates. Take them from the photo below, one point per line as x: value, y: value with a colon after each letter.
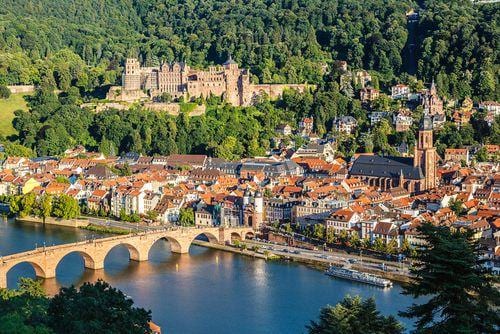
x: 174, y: 108
x: 117, y: 93
x: 21, y: 89
x: 56, y: 221
x: 274, y: 91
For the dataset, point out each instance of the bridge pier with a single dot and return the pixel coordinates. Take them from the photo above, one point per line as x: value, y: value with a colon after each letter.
x: 94, y: 265
x: 139, y: 256
x: 3, y: 281
x: 180, y: 248
x: 48, y: 272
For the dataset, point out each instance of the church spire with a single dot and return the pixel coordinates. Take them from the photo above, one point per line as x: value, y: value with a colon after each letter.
x: 433, y: 87
x: 401, y: 179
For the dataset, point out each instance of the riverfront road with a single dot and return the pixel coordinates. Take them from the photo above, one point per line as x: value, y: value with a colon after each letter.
x: 332, y: 257
x: 123, y: 225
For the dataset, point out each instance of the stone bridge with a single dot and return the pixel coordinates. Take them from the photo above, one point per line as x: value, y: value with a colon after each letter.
x: 45, y: 259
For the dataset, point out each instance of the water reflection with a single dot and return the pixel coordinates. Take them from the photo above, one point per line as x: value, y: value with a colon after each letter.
x: 206, y: 290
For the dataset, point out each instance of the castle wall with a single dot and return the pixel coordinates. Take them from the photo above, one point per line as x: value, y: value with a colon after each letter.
x: 21, y: 89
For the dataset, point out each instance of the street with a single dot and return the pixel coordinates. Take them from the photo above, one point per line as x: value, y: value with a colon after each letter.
x: 331, y: 257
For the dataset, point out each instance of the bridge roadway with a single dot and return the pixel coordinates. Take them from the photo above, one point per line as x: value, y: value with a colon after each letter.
x: 45, y: 259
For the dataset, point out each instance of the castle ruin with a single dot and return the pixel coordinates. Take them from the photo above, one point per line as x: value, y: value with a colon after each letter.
x: 179, y: 80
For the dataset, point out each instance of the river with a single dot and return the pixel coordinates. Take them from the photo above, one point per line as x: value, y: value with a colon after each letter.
x: 205, y: 291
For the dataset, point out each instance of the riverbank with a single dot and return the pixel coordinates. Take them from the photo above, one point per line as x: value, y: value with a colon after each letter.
x: 319, y: 263
x: 105, y: 229
x: 75, y: 223
x: 230, y: 249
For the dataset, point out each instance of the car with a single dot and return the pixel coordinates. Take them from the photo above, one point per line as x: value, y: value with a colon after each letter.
x: 296, y: 252
x: 352, y: 261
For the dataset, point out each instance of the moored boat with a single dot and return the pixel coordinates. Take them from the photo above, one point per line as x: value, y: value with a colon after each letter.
x: 358, y: 276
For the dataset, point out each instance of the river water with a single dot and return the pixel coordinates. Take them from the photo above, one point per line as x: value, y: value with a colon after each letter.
x: 205, y: 291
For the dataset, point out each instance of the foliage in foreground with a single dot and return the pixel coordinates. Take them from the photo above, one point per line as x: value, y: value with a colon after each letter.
x: 461, y: 295
x: 93, y: 308
x: 354, y: 316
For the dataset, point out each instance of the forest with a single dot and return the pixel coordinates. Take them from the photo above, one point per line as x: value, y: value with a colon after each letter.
x: 280, y: 41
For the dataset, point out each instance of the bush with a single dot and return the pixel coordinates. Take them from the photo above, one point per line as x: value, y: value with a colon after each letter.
x: 4, y: 92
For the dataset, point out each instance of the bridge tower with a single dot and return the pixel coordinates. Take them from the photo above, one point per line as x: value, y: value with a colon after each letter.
x: 259, y: 210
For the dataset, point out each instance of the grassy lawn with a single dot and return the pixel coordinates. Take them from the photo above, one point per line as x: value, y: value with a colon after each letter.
x: 7, y: 108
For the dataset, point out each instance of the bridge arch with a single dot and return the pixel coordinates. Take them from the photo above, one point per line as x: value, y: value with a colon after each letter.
x: 135, y: 253
x: 235, y: 236
x: 88, y: 260
x: 210, y: 236
x: 175, y: 245
x: 39, y: 271
x: 249, y: 235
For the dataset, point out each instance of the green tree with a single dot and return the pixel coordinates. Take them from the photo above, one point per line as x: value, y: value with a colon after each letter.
x: 45, y: 206
x: 319, y: 231
x: 27, y: 205
x: 354, y: 316
x: 482, y: 155
x: 96, y: 308
x: 461, y: 295
x: 65, y: 207
x: 457, y: 207
x: 4, y: 92
x: 379, y: 245
x: 186, y: 217
x: 392, y: 247
x: 405, y: 247
x: 24, y: 310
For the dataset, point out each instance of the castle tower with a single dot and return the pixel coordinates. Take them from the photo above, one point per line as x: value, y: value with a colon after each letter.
x: 131, y: 79
x: 232, y: 76
x: 425, y: 154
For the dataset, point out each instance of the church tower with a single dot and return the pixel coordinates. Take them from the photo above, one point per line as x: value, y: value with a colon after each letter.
x: 425, y: 154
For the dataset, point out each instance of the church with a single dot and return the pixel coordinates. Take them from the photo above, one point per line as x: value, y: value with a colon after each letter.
x: 415, y: 174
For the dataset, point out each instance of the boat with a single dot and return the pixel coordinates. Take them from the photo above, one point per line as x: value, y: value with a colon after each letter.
x: 358, y: 276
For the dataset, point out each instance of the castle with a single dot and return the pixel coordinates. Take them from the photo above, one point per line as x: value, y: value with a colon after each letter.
x: 179, y: 80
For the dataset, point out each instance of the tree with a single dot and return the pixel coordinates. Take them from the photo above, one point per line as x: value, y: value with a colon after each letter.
x: 96, y: 308
x: 354, y: 240
x: 461, y: 295
x: 28, y: 203
x: 152, y: 215
x: 45, y: 206
x: 4, y: 92
x: 457, y: 207
x: 186, y: 217
x: 391, y: 247
x: 354, y: 316
x: 319, y: 231
x: 24, y: 310
x: 482, y: 155
x: 65, y: 207
x: 379, y: 245
x: 406, y: 247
